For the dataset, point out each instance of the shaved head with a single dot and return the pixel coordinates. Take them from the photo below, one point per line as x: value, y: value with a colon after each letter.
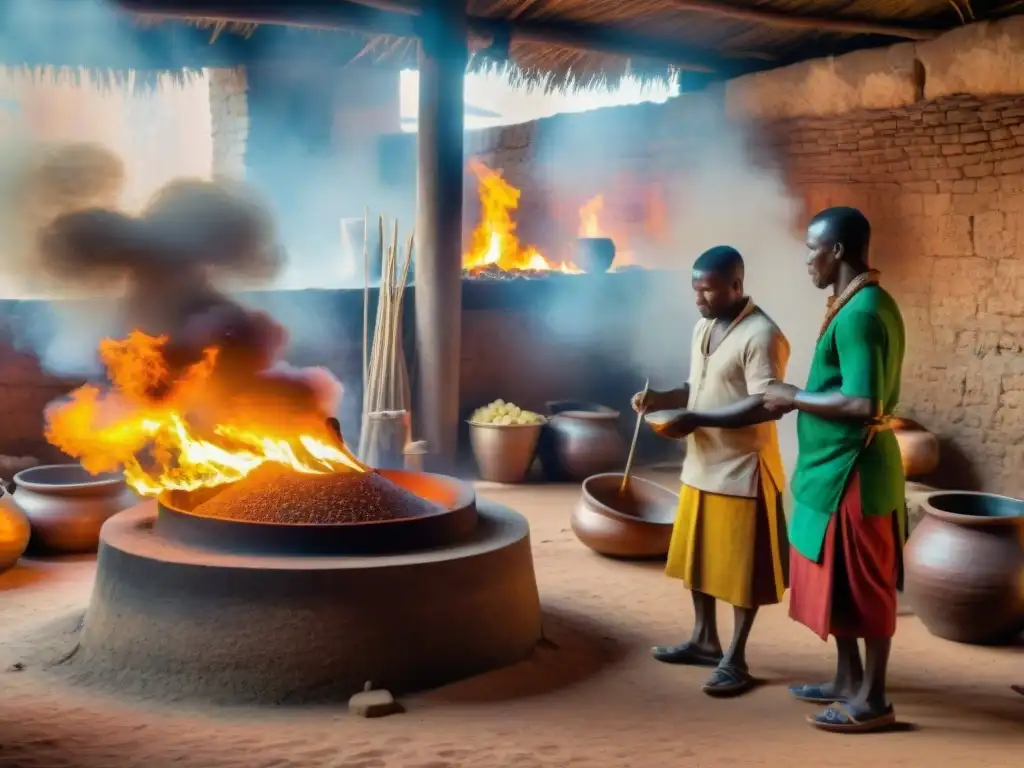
x: 722, y: 260
x: 837, y: 239
x: 718, y: 281
x: 846, y: 227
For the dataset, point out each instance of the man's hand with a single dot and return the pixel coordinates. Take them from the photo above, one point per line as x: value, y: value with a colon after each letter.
x: 675, y: 425
x: 645, y: 402
x: 780, y: 399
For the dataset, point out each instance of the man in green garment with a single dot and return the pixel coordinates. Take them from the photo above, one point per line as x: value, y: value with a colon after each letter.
x: 848, y: 522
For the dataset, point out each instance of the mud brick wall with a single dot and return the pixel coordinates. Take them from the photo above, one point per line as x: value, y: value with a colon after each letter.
x: 928, y: 140
x: 943, y: 184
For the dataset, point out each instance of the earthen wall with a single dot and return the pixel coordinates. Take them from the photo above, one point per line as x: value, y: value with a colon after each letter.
x: 927, y: 139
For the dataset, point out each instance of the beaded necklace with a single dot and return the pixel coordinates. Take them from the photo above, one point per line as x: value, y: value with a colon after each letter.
x: 836, y: 303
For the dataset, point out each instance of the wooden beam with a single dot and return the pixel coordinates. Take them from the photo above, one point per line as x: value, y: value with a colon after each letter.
x: 756, y: 15
x: 328, y: 14
x: 438, y: 250
x: 841, y: 24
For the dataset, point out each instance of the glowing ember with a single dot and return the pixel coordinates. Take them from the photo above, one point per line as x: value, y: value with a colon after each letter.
x: 180, y: 431
x: 494, y: 244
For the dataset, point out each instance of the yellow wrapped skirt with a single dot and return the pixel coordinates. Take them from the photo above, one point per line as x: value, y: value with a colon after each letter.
x: 730, y: 547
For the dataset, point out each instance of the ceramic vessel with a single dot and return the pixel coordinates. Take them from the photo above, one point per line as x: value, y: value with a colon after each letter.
x: 919, y: 448
x: 66, y: 506
x: 594, y: 254
x: 504, y: 453
x: 580, y: 440
x: 636, y: 523
x: 965, y: 567
x: 14, y: 531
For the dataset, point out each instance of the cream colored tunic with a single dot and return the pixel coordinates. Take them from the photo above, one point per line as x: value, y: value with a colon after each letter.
x: 753, y: 354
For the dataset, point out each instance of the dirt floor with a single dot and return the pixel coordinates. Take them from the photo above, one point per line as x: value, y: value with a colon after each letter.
x: 592, y: 696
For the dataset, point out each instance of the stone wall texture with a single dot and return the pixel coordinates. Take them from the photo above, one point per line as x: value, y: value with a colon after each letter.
x: 943, y: 184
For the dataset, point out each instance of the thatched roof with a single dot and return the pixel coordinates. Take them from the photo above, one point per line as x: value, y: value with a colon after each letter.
x: 707, y: 39
x: 701, y: 40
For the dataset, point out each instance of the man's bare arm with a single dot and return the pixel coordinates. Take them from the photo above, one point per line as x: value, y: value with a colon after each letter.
x: 674, y: 398
x: 836, y: 405
x: 744, y: 413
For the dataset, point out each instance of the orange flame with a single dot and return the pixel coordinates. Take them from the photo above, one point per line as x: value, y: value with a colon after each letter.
x: 161, y: 443
x: 590, y: 213
x: 494, y: 243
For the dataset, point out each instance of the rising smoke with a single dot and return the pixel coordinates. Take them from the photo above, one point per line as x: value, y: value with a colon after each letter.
x: 718, y: 194
x: 168, y: 262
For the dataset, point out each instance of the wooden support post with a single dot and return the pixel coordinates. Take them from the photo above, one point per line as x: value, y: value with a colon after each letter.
x: 438, y: 286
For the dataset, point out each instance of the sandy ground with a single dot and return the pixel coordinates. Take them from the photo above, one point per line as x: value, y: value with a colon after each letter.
x: 592, y: 696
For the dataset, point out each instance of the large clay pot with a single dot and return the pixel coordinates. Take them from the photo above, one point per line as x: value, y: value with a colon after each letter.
x: 580, y: 440
x: 965, y: 567
x: 636, y: 523
x: 14, y: 531
x: 919, y: 448
x: 67, y: 506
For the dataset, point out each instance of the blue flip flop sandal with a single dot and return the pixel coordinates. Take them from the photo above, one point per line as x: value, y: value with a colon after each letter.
x: 839, y: 719
x: 685, y: 653
x: 813, y: 694
x: 728, y: 680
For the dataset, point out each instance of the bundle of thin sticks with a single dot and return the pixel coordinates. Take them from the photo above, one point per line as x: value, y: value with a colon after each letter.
x: 386, y: 386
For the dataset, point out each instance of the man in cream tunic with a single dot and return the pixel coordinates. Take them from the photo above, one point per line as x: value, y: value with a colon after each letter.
x: 729, y: 541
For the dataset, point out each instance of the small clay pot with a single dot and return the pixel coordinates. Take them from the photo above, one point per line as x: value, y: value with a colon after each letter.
x: 965, y: 567
x: 66, y: 506
x: 504, y: 453
x: 636, y: 523
x: 919, y: 448
x: 580, y: 440
x: 594, y: 254
x: 14, y: 531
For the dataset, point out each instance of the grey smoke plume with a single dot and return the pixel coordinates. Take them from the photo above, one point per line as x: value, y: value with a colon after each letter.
x: 169, y: 261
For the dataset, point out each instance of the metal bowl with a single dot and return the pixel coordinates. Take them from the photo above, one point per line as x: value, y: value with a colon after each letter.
x: 504, y: 452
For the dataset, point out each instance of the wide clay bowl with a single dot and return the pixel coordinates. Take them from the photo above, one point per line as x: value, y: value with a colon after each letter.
x: 67, y: 506
x: 965, y: 567
x: 633, y: 524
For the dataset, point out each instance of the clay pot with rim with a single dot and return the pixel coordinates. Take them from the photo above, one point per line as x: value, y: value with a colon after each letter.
x: 636, y: 523
x: 919, y: 448
x: 14, y: 531
x: 581, y: 439
x: 594, y: 254
x: 965, y: 567
x: 66, y: 506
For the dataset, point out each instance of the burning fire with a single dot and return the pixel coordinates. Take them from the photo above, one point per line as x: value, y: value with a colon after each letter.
x: 590, y: 221
x: 494, y: 243
x: 171, y: 432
